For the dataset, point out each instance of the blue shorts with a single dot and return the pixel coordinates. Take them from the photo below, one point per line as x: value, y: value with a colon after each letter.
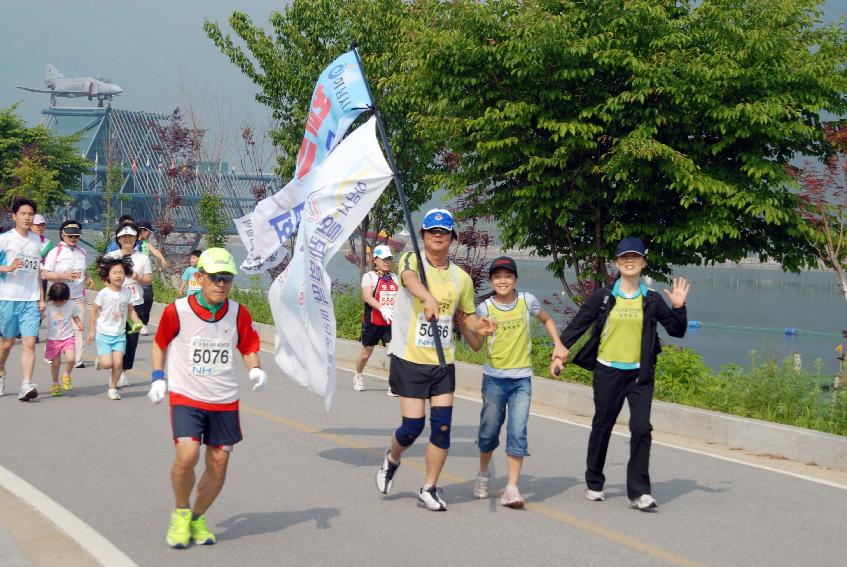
x: 215, y: 428
x: 107, y: 344
x: 19, y: 318
x: 497, y: 395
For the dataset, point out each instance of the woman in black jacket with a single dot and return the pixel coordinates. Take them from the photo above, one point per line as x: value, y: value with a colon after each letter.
x: 622, y: 352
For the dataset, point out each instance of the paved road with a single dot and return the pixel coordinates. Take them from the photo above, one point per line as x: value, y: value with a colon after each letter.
x: 301, y: 489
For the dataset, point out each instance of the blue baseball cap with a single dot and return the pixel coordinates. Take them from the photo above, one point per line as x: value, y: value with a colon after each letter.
x: 631, y: 244
x: 438, y: 218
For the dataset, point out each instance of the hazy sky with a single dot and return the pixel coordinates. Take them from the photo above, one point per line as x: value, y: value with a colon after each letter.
x: 153, y: 49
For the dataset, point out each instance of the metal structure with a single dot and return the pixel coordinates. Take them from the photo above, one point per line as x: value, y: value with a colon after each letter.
x: 129, y: 138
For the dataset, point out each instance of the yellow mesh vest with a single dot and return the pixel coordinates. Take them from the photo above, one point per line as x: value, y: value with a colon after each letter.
x: 510, y: 346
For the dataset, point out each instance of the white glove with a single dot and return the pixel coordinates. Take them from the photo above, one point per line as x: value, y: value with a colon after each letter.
x: 158, y: 389
x: 387, y: 313
x: 258, y: 376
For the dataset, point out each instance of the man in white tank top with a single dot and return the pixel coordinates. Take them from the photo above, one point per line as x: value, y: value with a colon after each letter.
x: 197, y: 336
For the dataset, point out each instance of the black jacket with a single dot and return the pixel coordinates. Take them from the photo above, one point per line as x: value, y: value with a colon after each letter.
x: 596, y: 310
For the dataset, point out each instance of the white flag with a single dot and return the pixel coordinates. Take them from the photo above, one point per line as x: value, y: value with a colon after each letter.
x: 342, y: 191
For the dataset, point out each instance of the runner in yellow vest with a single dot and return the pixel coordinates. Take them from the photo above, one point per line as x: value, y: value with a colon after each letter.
x: 414, y: 374
x: 507, y: 374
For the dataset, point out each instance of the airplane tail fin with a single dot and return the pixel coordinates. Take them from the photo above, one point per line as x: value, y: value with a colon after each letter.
x: 53, y: 73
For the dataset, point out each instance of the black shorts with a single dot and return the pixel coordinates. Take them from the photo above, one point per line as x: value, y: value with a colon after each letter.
x: 372, y: 334
x: 215, y: 428
x: 421, y: 381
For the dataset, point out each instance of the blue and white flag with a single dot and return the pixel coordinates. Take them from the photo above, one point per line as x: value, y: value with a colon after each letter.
x: 340, y: 194
x: 339, y: 97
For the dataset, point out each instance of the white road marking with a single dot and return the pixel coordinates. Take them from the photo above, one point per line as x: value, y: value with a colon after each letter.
x: 87, y: 537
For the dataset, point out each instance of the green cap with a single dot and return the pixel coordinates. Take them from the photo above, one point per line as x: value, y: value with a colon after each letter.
x: 216, y: 260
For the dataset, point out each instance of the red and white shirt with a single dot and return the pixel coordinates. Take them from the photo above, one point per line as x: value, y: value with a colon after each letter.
x: 384, y: 289
x: 199, y: 363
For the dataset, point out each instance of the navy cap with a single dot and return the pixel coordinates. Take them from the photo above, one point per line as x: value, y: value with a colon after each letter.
x: 504, y: 262
x: 631, y: 244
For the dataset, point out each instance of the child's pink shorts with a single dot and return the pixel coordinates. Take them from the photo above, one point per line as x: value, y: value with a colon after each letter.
x: 55, y: 348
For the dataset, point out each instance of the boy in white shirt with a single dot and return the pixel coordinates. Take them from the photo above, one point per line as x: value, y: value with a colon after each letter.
x: 22, y: 295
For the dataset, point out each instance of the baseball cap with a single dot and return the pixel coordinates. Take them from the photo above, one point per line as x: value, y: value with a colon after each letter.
x: 216, y: 260
x: 145, y: 224
x: 126, y: 230
x: 502, y: 262
x: 631, y: 244
x: 39, y: 219
x: 382, y: 252
x: 438, y: 218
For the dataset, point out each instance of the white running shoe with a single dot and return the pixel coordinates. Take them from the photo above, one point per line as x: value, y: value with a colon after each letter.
x: 431, y: 500
x: 386, y: 473
x: 123, y: 380
x: 391, y: 394
x: 480, y: 487
x: 28, y: 392
x: 2, y: 384
x: 644, y: 502
x: 113, y: 394
x: 512, y: 498
x: 143, y: 330
x: 594, y: 495
x: 358, y: 382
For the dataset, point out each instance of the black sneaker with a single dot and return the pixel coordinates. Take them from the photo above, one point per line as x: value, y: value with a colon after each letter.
x: 431, y: 500
x: 385, y: 474
x: 79, y: 364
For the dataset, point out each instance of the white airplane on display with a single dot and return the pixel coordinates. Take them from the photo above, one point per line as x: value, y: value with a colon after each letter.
x: 57, y: 85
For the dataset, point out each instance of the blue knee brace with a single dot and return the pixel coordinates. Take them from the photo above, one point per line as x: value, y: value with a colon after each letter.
x: 440, y: 419
x: 409, y: 430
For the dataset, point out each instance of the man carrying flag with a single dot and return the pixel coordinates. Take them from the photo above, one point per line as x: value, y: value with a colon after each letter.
x: 199, y: 334
x: 415, y: 374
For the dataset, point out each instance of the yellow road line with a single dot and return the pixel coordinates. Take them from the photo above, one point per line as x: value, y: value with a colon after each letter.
x: 541, y: 509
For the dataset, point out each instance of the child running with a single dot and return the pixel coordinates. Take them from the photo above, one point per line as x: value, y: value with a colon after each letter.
x: 507, y: 374
x: 189, y: 276
x: 109, y: 313
x: 62, y: 320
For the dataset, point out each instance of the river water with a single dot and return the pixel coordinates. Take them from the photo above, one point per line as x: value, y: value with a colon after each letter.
x: 741, y: 308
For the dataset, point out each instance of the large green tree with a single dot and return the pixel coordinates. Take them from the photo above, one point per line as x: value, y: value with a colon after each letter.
x: 36, y: 163
x: 580, y: 122
x: 285, y: 62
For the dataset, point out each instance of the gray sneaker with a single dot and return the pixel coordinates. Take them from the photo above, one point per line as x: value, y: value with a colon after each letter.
x: 385, y: 474
x: 644, y: 502
x: 594, y: 495
x: 28, y: 392
x: 480, y: 487
x: 431, y: 500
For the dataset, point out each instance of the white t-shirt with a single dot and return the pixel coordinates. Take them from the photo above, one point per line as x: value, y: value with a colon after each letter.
x: 22, y: 284
x: 113, y: 311
x: 60, y: 325
x: 64, y: 258
x: 141, y: 266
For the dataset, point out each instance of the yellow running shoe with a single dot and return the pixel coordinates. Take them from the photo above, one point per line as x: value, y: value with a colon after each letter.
x: 200, y: 534
x: 179, y: 533
x: 55, y: 390
x: 66, y: 382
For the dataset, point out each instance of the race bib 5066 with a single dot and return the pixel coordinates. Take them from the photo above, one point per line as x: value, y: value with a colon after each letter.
x: 424, y: 337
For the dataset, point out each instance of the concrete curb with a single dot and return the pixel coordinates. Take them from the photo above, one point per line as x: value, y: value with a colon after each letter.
x: 761, y: 437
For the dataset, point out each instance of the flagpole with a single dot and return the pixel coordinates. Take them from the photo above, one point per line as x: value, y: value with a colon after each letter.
x: 398, y: 182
